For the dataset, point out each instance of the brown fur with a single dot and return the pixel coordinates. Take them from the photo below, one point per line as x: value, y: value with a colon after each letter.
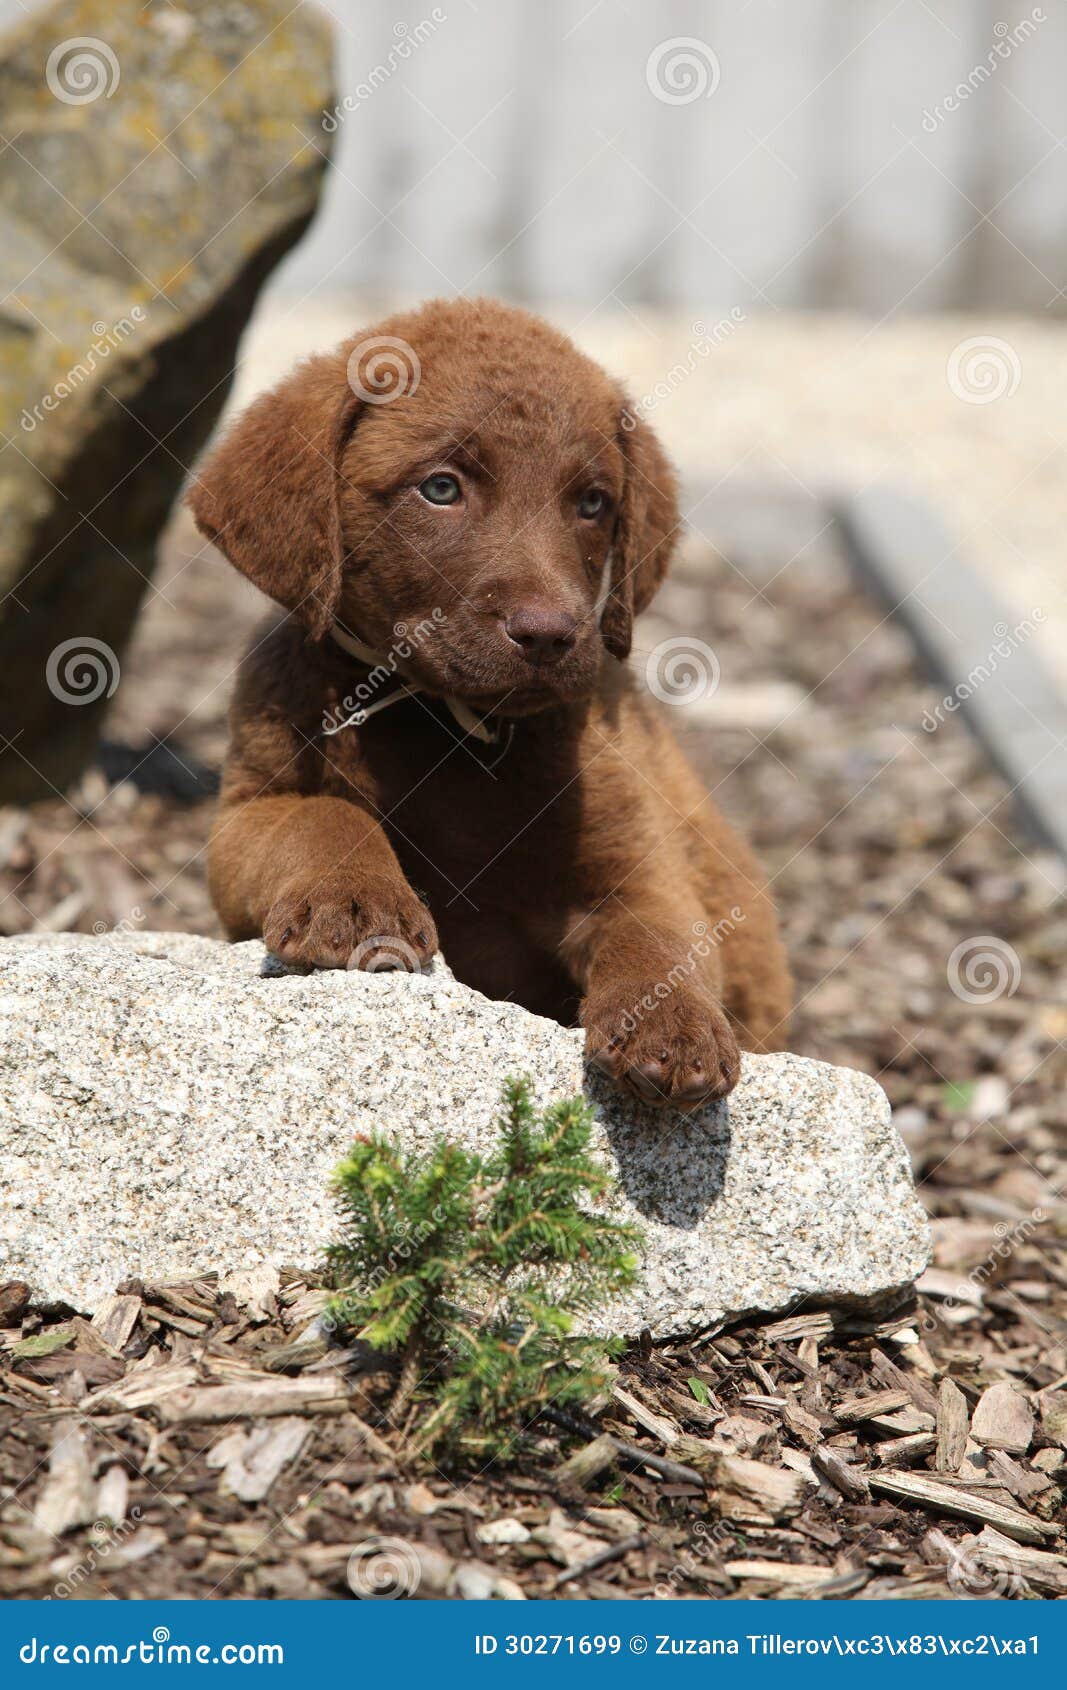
x: 581, y: 869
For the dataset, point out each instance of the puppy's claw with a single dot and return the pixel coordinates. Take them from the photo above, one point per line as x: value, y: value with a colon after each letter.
x: 371, y: 925
x: 683, y: 1060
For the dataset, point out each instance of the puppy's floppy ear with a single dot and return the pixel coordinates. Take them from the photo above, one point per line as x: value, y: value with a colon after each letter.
x: 267, y: 494
x: 646, y: 530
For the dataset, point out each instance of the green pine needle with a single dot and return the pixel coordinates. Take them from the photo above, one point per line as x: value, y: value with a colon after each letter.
x: 467, y: 1272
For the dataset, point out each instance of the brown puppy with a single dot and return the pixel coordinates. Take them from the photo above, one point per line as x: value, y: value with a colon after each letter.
x: 460, y: 502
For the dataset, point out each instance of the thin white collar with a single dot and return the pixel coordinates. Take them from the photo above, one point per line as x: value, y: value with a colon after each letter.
x: 462, y: 714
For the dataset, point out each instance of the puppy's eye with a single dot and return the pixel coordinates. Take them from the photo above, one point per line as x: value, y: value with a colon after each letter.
x: 440, y: 489
x: 592, y: 504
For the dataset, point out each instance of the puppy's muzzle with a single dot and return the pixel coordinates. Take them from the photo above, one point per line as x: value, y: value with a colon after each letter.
x: 543, y: 634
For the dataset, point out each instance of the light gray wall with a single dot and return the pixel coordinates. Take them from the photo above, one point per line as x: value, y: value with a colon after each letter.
x: 517, y: 148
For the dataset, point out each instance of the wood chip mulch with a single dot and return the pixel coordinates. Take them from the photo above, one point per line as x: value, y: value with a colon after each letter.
x: 199, y: 1439
x: 196, y: 1439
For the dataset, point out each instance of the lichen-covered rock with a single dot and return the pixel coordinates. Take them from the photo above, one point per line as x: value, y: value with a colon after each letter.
x: 163, y: 1107
x: 161, y: 160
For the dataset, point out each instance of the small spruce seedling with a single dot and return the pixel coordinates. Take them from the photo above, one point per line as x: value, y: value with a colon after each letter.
x: 467, y: 1272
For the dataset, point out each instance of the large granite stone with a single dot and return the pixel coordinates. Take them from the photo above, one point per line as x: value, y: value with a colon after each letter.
x: 158, y: 161
x: 164, y: 1107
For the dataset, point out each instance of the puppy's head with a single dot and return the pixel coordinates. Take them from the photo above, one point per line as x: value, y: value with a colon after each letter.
x: 463, y: 474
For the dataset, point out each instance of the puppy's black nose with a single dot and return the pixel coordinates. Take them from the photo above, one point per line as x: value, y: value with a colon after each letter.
x: 543, y: 633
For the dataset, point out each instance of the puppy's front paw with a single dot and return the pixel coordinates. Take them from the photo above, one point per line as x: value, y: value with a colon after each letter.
x: 674, y: 1052
x: 365, y: 923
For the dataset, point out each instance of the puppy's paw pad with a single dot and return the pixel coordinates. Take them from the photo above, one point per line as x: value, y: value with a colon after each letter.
x: 370, y: 925
x: 683, y: 1056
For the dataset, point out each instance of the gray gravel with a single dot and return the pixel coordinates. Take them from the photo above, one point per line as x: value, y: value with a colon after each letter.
x: 164, y: 1108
